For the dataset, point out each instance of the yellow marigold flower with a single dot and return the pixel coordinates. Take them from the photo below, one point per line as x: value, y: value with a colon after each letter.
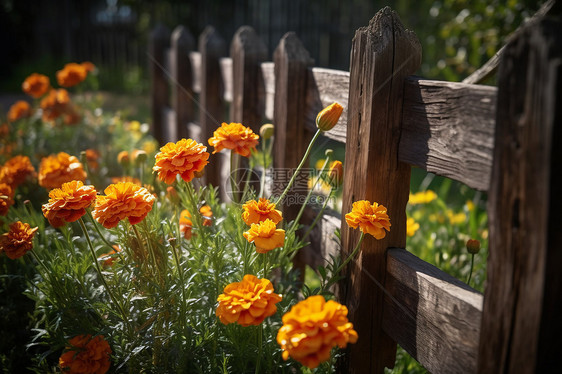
x: 6, y: 198
x: 248, y: 302
x: 126, y: 178
x: 20, y: 109
x: 55, y: 104
x: 335, y: 174
x: 258, y: 211
x: 16, y: 242
x: 86, y: 355
x: 370, y: 218
x: 422, y: 197
x: 184, y: 158
x: 265, y: 236
x: 109, y: 258
x: 68, y: 203
x: 470, y: 205
x: 411, y: 226
x: 71, y: 74
x: 186, y: 225
x: 122, y: 200
x: 328, y: 117
x: 16, y: 170
x: 234, y: 136
x: 456, y: 218
x: 36, y: 85
x: 312, y: 328
x: 55, y: 170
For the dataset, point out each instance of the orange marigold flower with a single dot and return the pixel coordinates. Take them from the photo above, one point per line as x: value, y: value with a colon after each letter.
x: 92, y: 157
x: 16, y: 170
x: 16, y: 242
x: 258, y: 211
x: 110, y: 257
x: 248, y: 302
x: 123, y: 200
x: 71, y: 74
x: 6, y: 198
x: 55, y: 170
x: 186, y: 225
x: 328, y: 117
x: 36, y: 85
x: 68, y: 203
x: 207, y: 214
x: 335, y: 174
x: 184, y: 158
x: 234, y: 136
x: 312, y: 328
x: 86, y: 355
x: 411, y: 226
x: 371, y: 219
x: 115, y: 180
x: 55, y: 104
x: 265, y: 236
x: 88, y: 66
x: 20, y: 109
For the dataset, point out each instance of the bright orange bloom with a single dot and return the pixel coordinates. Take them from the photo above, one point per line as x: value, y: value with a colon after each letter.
x: 36, y: 85
x: 258, y: 211
x: 234, y: 136
x: 186, y: 225
x: 55, y: 170
x: 16, y: 170
x: 265, y: 236
x: 16, y: 242
x: 371, y: 219
x: 86, y: 355
x: 71, y: 74
x: 248, y: 302
x: 183, y: 158
x: 312, y: 328
x: 123, y: 200
x: 328, y: 117
x: 6, y: 198
x: 55, y: 104
x: 126, y: 178
x: 20, y: 109
x: 68, y: 203
x: 207, y: 214
x: 335, y: 174
x: 109, y: 257
x: 411, y: 226
x: 88, y: 66
x: 92, y: 157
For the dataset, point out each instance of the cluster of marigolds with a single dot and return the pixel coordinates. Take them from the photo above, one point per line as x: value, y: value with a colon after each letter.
x: 310, y: 329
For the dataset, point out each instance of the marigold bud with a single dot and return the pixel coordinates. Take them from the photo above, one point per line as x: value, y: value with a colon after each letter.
x: 139, y: 156
x: 123, y: 158
x: 267, y: 131
x: 473, y: 246
x: 336, y: 173
x: 328, y: 117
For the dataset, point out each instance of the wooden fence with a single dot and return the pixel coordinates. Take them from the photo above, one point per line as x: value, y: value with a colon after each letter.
x: 499, y: 140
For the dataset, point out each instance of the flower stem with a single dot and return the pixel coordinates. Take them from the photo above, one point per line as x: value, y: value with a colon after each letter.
x: 319, y: 215
x: 98, y: 269
x: 292, y: 180
x: 234, y: 162
x: 182, y: 283
x: 471, y: 268
x: 351, y: 255
x: 260, y: 344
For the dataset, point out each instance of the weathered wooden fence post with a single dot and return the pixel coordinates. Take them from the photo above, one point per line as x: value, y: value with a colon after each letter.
x: 291, y: 63
x: 522, y: 316
x: 158, y: 44
x: 382, y: 55
x: 182, y: 81
x: 212, y: 110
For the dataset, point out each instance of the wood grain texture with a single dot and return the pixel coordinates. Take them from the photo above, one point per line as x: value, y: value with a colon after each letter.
x: 323, y: 240
x: 159, y: 41
x: 268, y: 73
x: 521, y: 324
x: 326, y: 86
x: 182, y: 81
x: 212, y: 110
x: 433, y: 316
x: 448, y: 129
x: 382, y: 55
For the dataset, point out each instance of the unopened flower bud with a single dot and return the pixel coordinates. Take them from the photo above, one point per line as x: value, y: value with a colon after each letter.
x: 336, y: 173
x: 172, y: 241
x: 267, y: 131
x: 329, y: 152
x: 139, y: 156
x: 328, y: 117
x: 123, y: 158
x: 473, y: 246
